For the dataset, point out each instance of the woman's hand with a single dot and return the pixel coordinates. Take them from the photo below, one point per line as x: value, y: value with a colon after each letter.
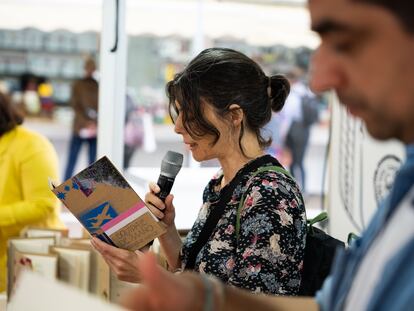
x: 164, y: 211
x: 122, y: 262
x: 170, y: 241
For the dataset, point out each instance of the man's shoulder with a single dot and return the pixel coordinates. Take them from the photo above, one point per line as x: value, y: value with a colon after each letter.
x: 83, y: 82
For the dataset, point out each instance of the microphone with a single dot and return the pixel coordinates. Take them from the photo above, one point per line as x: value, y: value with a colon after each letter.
x: 170, y: 166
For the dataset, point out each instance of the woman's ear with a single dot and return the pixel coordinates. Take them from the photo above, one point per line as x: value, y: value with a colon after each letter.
x: 236, y: 114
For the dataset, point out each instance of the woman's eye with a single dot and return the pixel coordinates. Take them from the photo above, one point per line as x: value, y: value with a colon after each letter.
x: 174, y: 114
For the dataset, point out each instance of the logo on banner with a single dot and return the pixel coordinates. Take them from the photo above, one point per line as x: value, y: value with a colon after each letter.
x: 384, y: 176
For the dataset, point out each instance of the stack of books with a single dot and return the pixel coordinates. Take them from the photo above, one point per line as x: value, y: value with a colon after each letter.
x: 53, y: 255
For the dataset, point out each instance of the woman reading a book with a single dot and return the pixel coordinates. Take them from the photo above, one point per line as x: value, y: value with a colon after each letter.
x: 27, y: 159
x: 219, y: 104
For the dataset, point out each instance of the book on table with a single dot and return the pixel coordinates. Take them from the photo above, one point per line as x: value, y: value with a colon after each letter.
x: 29, y: 254
x: 34, y: 292
x: 74, y: 265
x: 71, y: 260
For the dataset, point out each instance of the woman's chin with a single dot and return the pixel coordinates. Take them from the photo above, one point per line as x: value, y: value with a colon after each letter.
x: 199, y: 157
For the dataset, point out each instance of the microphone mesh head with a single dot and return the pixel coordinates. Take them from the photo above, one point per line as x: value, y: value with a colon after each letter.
x: 171, y: 164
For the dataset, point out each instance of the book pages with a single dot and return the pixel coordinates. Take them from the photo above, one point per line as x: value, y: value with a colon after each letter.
x: 34, y: 292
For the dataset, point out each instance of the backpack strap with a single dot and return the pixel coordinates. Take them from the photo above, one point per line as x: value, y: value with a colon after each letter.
x: 273, y: 168
x: 218, y: 208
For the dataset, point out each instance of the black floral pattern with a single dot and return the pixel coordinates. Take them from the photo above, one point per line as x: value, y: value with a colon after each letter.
x: 268, y: 255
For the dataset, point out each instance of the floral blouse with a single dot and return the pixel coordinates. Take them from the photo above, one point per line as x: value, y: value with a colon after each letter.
x: 268, y: 255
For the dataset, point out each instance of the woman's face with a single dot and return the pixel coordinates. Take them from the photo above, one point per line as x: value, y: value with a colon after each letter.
x: 202, y: 148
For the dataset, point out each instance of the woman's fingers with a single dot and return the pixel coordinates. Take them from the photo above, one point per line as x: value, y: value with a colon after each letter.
x: 154, y: 188
x: 122, y: 262
x: 140, y: 253
x: 169, y: 202
x: 101, y: 248
x: 151, y: 197
x: 156, y: 211
x: 98, y: 244
x: 108, y: 252
x: 155, y: 204
x: 162, y: 210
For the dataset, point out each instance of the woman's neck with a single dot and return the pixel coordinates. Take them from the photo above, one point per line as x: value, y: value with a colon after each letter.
x: 232, y: 163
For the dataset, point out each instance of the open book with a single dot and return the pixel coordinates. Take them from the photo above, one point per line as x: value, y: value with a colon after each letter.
x: 34, y: 292
x: 107, y: 206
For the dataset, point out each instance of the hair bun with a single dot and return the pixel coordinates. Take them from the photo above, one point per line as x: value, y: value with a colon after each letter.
x: 280, y: 89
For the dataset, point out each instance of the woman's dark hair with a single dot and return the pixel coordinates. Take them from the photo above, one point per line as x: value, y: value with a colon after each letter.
x: 9, y: 117
x: 222, y: 77
x: 402, y: 9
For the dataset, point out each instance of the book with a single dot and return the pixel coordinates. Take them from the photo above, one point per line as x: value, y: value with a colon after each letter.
x: 3, y: 301
x: 74, y: 265
x: 71, y: 260
x: 99, y: 274
x: 43, y: 264
x: 118, y: 288
x: 35, y: 232
x: 38, y: 245
x: 29, y: 254
x: 108, y: 208
x: 34, y: 292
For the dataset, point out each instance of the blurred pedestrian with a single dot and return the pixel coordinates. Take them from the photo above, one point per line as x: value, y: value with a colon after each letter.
x: 134, y: 130
x: 45, y: 92
x: 28, y: 98
x: 84, y: 101
x: 299, y: 115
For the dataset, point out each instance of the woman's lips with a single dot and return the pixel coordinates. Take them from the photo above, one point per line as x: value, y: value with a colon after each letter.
x: 190, y: 145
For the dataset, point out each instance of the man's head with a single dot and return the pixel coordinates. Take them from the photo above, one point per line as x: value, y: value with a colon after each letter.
x: 367, y: 56
x: 89, y: 66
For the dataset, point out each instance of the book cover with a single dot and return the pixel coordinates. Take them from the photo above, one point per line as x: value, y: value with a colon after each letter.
x: 107, y: 206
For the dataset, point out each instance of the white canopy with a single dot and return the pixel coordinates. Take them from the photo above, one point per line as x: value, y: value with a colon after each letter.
x: 257, y: 24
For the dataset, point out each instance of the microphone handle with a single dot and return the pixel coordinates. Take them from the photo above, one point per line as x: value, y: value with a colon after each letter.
x: 165, y: 183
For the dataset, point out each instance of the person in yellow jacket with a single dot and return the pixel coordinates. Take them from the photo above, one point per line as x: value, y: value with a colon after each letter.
x: 27, y: 159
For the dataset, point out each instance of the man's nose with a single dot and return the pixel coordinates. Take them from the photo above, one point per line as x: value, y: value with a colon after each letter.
x: 325, y: 73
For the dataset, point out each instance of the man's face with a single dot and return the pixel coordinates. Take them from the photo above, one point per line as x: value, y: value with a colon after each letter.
x: 368, y: 59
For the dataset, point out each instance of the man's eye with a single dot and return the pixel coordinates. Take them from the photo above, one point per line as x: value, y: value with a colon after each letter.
x: 343, y: 47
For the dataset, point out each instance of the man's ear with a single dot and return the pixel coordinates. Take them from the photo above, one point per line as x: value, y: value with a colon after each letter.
x: 236, y: 114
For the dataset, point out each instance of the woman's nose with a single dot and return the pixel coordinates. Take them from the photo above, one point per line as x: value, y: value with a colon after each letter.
x: 178, y: 125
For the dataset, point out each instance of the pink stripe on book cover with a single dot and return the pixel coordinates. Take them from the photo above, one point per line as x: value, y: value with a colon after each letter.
x: 122, y: 216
